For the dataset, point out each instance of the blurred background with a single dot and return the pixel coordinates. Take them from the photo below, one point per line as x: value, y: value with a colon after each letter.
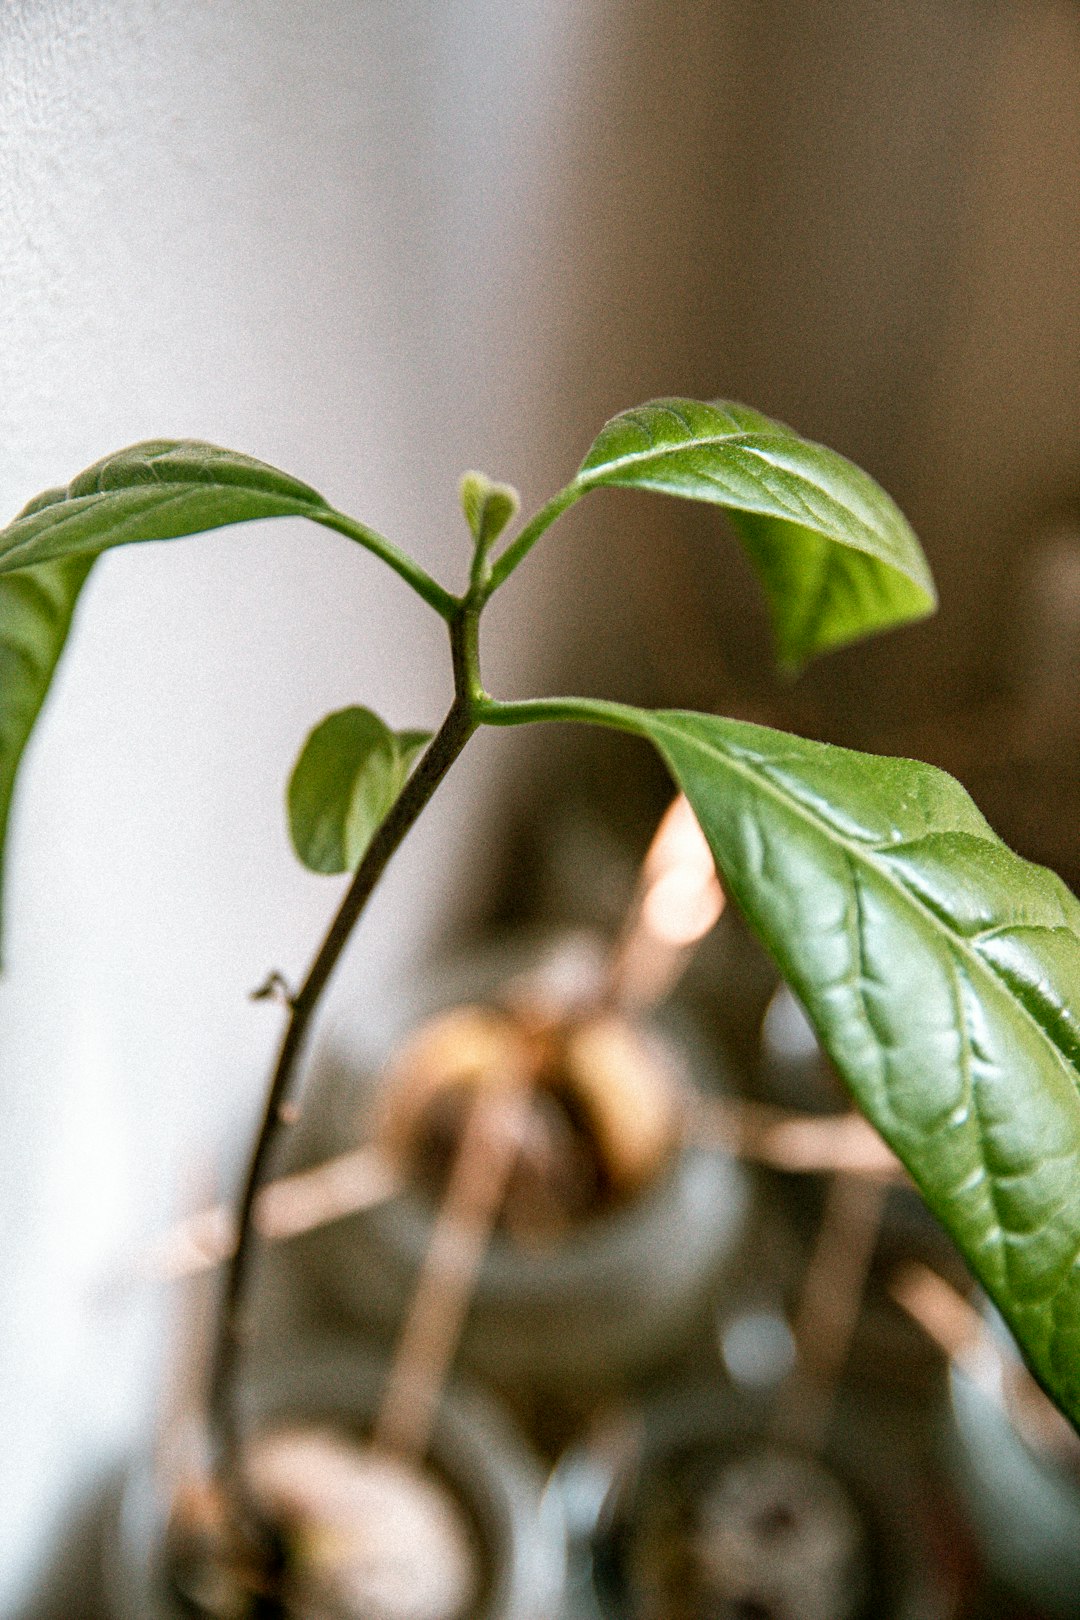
x: 376, y: 242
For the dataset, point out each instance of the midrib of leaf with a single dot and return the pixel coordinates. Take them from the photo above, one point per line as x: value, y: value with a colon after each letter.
x: 797, y: 508
x: 795, y: 485
x: 658, y: 452
x: 857, y: 852
x: 981, y: 1176
x: 994, y: 1227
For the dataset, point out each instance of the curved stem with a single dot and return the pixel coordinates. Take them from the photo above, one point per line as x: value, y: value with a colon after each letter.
x: 448, y: 742
x: 519, y: 547
x: 445, y: 604
x: 579, y: 711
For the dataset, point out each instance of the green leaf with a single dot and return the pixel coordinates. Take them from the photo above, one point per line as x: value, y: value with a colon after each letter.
x: 36, y: 608
x: 350, y: 771
x: 942, y: 974
x: 488, y: 507
x: 836, y: 556
x: 163, y: 489
x: 157, y: 490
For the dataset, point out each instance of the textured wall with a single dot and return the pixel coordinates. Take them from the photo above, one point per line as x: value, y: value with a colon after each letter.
x: 288, y: 229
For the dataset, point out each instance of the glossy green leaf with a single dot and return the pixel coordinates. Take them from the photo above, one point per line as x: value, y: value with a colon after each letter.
x: 158, y: 490
x: 350, y: 771
x: 488, y: 507
x: 36, y: 608
x: 163, y: 489
x: 942, y: 973
x: 836, y: 556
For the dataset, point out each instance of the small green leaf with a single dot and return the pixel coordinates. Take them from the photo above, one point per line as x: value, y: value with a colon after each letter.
x: 942, y: 973
x: 36, y: 608
x: 488, y: 507
x: 350, y: 771
x: 837, y: 558
x: 158, y: 490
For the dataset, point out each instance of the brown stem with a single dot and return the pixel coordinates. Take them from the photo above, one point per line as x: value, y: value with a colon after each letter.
x: 449, y: 740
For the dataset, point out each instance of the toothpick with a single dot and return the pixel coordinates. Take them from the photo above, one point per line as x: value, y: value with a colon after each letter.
x: 805, y: 1144
x: 829, y: 1306
x: 494, y: 1130
x: 677, y: 901
x: 958, y: 1329
x: 284, y: 1208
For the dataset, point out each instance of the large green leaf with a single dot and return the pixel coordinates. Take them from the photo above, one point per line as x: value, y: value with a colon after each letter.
x: 36, y: 607
x: 837, y: 557
x: 942, y: 973
x: 163, y: 489
x: 158, y: 490
x: 350, y: 770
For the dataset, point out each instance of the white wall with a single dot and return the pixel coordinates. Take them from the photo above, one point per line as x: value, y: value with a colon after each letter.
x: 303, y: 231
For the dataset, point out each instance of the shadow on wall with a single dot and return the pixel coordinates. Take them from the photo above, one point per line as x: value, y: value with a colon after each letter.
x: 862, y: 218
x: 74, y: 1561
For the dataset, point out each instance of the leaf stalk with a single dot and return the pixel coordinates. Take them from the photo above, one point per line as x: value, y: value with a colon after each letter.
x: 519, y: 548
x: 575, y: 710
x: 429, y: 589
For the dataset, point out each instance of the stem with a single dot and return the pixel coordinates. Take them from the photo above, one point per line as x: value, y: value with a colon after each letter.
x: 581, y: 711
x: 519, y: 548
x: 460, y: 723
x: 411, y: 572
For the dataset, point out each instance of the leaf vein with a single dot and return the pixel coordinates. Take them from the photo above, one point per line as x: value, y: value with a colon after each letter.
x: 740, y: 766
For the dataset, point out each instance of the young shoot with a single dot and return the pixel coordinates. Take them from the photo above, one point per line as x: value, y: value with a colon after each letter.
x: 940, y: 971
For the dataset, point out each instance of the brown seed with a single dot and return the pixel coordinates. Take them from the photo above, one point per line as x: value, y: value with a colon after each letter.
x: 630, y: 1094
